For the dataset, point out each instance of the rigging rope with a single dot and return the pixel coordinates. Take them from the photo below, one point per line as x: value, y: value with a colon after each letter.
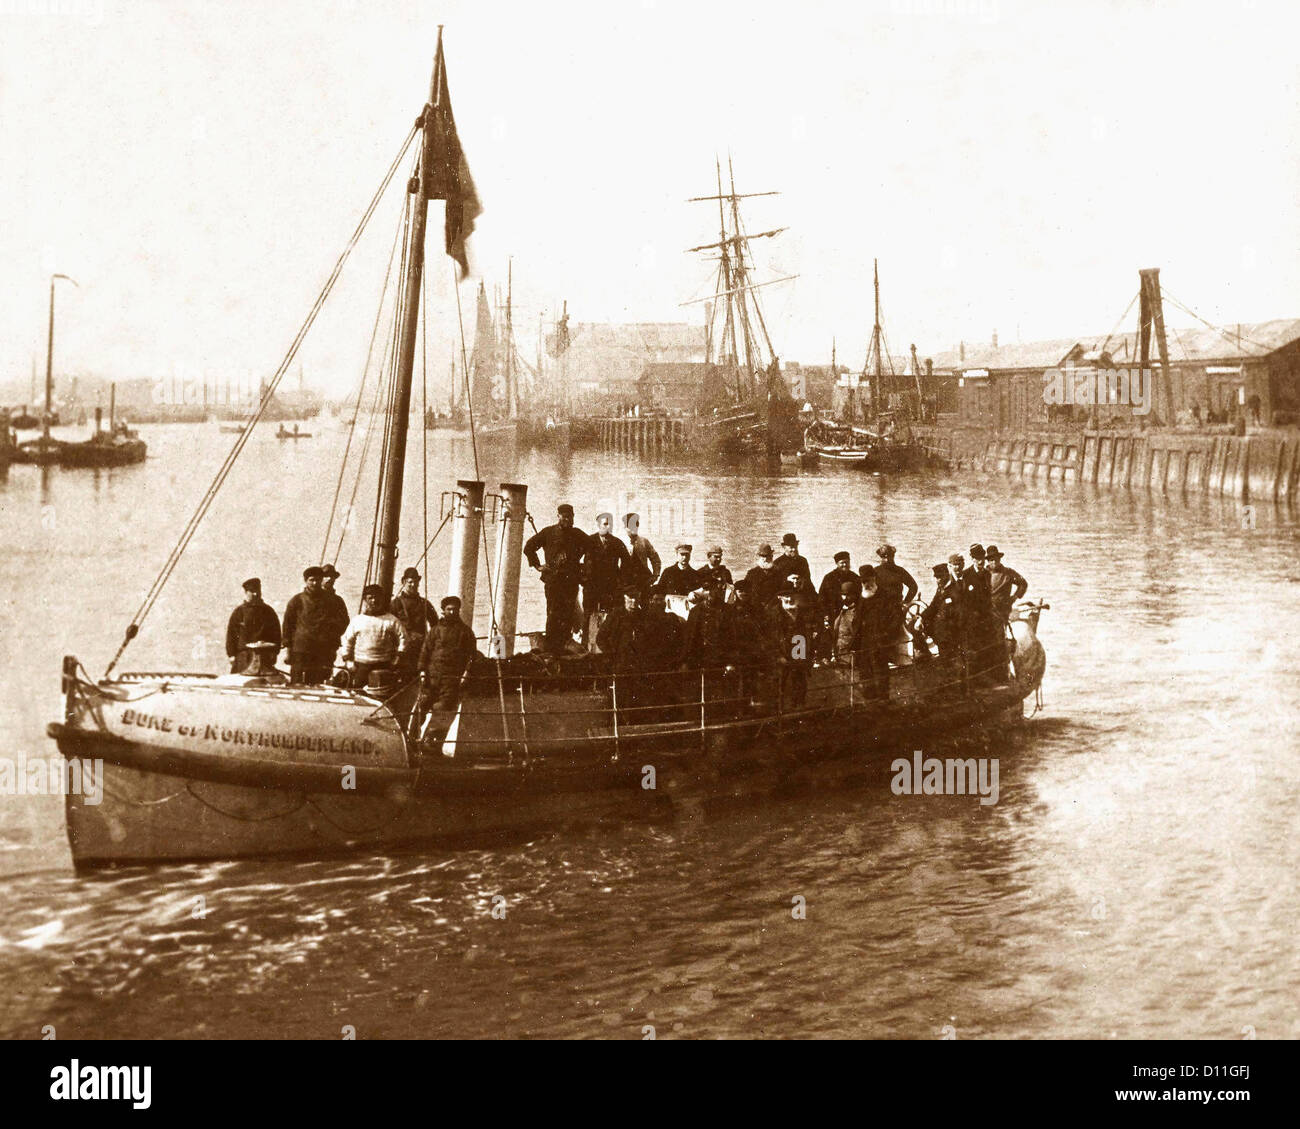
x: 191, y: 527
x: 356, y: 411
x: 1232, y: 339
x: 1102, y: 347
x: 399, y: 315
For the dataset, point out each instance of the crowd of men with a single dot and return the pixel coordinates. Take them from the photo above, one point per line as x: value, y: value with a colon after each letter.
x: 772, y: 614
x: 390, y: 642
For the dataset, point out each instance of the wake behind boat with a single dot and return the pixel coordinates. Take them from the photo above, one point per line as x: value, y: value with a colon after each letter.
x: 248, y: 763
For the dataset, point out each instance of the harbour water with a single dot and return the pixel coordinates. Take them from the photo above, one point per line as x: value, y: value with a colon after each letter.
x: 1136, y: 877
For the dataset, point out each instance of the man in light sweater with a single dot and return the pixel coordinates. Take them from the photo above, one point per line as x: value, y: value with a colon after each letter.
x: 374, y: 638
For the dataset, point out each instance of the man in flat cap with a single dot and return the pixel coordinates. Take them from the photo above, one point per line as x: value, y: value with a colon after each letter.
x: 679, y: 579
x: 375, y: 637
x: 340, y: 616
x: 898, y: 588
x: 762, y: 581
x: 830, y: 589
x: 715, y: 574
x: 446, y: 654
x: 309, y: 631
x: 564, y: 548
x: 416, y: 614
x: 606, y: 568
x: 252, y: 622
x: 644, y: 563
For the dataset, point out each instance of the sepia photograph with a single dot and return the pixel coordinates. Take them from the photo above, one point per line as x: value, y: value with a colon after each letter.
x: 648, y: 521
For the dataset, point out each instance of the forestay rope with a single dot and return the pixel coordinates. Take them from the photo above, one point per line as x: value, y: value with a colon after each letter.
x: 205, y: 503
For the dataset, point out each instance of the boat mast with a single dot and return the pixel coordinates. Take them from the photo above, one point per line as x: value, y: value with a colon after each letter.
x: 390, y: 505
x: 512, y: 399
x: 873, y: 365
x: 49, y: 360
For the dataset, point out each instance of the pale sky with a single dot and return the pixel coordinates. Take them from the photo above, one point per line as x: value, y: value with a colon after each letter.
x: 197, y: 166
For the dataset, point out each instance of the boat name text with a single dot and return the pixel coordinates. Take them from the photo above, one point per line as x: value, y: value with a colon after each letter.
x: 254, y: 738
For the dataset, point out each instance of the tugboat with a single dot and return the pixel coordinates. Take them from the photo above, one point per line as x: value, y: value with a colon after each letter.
x: 202, y: 766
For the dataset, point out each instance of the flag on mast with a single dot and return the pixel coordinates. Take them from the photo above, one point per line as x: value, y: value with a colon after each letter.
x: 446, y: 171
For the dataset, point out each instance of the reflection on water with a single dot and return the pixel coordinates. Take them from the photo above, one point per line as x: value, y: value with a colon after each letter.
x: 1135, y: 878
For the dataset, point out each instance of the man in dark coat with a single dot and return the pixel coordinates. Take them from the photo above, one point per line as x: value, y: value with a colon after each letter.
x: 791, y: 561
x: 447, y: 651
x: 857, y: 638
x: 930, y: 617
x: 341, y: 617
x: 715, y: 574
x: 898, y: 588
x: 643, y: 561
x: 794, y: 634
x: 252, y: 622
x: 643, y: 644
x: 417, y: 615
x: 710, y: 636
x: 983, y: 632
x: 606, y: 568
x: 763, y: 580
x: 564, y: 548
x: 877, y: 644
x: 832, y: 585
x: 679, y: 579
x: 1006, y: 585
x: 309, y: 631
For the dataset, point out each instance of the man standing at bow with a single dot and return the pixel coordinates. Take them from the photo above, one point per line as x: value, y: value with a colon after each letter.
x: 374, y: 638
x: 340, y: 617
x: 1006, y: 585
x: 309, y: 631
x: 252, y: 622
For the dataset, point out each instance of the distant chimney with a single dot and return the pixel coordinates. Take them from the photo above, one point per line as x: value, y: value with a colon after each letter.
x: 961, y: 351
x: 995, y: 339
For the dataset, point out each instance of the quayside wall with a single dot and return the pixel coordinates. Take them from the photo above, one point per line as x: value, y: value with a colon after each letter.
x: 647, y: 436
x: 1260, y: 467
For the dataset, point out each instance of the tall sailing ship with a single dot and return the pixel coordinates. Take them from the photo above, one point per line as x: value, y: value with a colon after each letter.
x: 219, y: 766
x: 761, y: 418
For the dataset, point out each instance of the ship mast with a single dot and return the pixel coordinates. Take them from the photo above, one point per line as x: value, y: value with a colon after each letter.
x: 49, y: 360
x: 873, y: 369
x: 390, y: 505
x: 732, y: 293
